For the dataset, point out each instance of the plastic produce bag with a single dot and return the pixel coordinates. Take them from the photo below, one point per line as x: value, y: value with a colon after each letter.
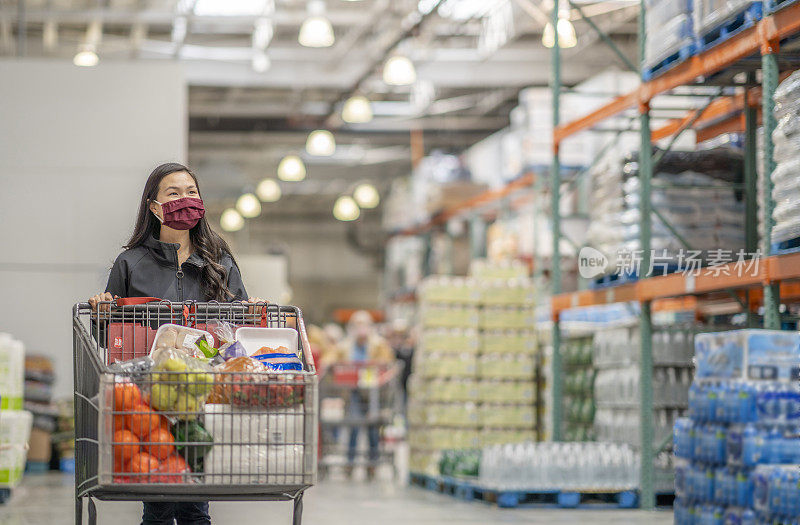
x: 173, y: 336
x: 279, y: 359
x: 226, y: 334
x: 244, y: 381
x: 135, y: 369
x: 181, y: 383
x: 254, y: 464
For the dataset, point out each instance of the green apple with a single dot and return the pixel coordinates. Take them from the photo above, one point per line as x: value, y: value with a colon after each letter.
x: 200, y: 384
x: 163, y: 396
x: 188, y: 404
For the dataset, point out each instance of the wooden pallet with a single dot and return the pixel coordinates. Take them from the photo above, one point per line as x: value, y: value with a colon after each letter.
x: 469, y: 490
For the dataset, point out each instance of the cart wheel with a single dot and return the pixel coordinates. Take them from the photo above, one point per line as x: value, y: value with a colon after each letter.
x: 5, y: 495
x: 297, y: 517
x: 92, y: 512
x: 78, y: 511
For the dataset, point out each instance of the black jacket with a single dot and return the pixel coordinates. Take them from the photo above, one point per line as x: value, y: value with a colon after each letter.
x: 152, y: 270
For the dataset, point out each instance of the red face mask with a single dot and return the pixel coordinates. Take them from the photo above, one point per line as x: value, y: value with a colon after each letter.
x: 183, y: 213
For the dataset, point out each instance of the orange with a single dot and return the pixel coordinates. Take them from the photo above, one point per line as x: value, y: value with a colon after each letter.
x: 163, y: 436
x: 174, y: 465
x: 143, y: 463
x: 142, y: 421
x: 119, y: 423
x: 126, y: 396
x: 126, y: 446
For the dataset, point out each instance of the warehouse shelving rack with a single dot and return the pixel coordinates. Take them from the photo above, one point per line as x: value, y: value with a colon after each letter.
x: 772, y: 280
x: 777, y: 277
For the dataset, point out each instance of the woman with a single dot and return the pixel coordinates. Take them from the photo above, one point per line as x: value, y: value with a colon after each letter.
x: 174, y: 255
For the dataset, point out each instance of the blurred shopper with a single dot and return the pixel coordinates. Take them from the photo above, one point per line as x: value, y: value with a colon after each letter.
x: 402, y: 342
x: 335, y: 333
x: 363, y: 345
x: 174, y: 255
x: 322, y: 348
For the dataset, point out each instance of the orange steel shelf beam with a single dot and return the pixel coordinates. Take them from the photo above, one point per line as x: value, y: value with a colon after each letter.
x: 773, y: 269
x: 483, y: 199
x: 722, y: 107
x: 764, y: 35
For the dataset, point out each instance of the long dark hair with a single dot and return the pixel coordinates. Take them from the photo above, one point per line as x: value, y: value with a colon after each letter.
x: 206, y: 242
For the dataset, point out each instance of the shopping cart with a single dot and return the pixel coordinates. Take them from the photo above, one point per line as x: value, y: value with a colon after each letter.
x: 363, y: 397
x: 255, y: 438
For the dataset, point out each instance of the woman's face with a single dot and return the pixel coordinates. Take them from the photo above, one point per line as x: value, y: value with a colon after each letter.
x: 174, y: 186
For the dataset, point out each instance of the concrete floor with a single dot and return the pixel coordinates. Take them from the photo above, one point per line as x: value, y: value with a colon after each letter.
x: 47, y: 500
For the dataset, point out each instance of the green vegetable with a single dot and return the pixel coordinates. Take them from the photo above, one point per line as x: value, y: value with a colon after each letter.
x: 192, y: 441
x: 208, y: 350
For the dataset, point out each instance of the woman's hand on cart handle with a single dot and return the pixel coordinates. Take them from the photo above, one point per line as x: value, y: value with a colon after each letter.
x: 255, y: 300
x: 105, y: 296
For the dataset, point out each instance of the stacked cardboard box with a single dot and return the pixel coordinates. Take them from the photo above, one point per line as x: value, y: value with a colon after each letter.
x: 475, y: 373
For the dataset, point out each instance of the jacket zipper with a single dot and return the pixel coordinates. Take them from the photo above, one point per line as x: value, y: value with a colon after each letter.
x: 179, y: 275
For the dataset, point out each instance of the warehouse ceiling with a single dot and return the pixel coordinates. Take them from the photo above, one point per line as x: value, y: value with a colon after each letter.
x: 472, y: 57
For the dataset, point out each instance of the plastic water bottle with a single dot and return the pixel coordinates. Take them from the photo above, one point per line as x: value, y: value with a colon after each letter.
x: 752, y: 445
x: 748, y: 517
x: 774, y: 492
x: 718, y: 443
x: 710, y: 406
x: 733, y: 445
x: 761, y: 489
x: 744, y: 490
x: 774, y: 445
x: 695, y: 392
x: 732, y: 516
x: 707, y: 489
x: 747, y: 403
x: 720, y: 486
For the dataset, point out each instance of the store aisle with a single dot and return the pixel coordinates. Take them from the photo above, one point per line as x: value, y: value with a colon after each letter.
x: 330, y: 503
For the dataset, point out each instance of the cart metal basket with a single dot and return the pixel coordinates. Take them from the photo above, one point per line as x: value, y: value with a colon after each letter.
x: 188, y: 433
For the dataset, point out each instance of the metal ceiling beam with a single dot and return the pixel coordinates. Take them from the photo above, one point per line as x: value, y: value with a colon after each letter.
x: 282, y: 17
x: 408, y: 26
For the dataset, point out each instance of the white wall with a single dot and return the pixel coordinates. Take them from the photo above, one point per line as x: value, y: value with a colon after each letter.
x: 76, y: 146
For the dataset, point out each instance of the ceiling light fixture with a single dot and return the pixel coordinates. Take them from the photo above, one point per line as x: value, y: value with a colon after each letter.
x: 367, y: 196
x: 291, y: 169
x: 261, y: 62
x: 87, y: 52
x: 345, y: 209
x: 231, y: 221
x: 399, y: 71
x: 566, y: 32
x: 86, y: 58
x: 268, y: 190
x: 316, y: 30
x: 357, y: 110
x: 321, y: 143
x: 249, y: 206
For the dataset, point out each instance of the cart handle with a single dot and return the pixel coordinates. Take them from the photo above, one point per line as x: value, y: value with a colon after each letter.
x: 127, y: 301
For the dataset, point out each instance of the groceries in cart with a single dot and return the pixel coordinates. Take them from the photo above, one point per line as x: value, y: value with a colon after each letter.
x: 196, y: 343
x: 226, y: 335
x: 278, y: 358
x: 241, y: 381
x: 143, y: 446
x: 223, y: 405
x: 180, y: 382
